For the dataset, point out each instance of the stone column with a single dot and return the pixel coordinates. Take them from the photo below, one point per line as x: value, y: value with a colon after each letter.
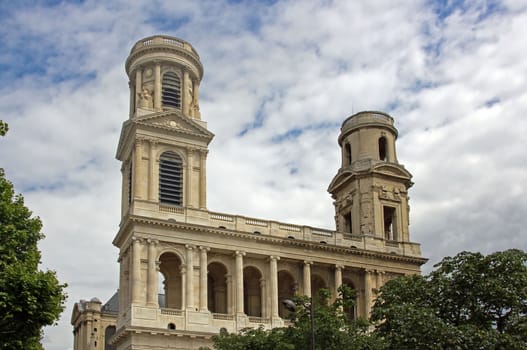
x: 367, y: 293
x: 136, y: 270
x: 307, y: 278
x: 151, y: 171
x: 185, y: 95
x: 263, y: 294
x: 273, y: 277
x: 203, y: 180
x: 139, y: 171
x: 230, y: 302
x: 138, y: 86
x: 152, y: 286
x: 203, y: 279
x: 183, y: 273
x: 122, y: 281
x: 132, y: 99
x: 189, y: 196
x: 157, y: 87
x: 338, y: 278
x: 190, y: 275
x: 239, y: 282
x: 197, y: 113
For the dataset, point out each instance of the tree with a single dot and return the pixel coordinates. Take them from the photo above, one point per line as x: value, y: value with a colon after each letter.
x: 470, y: 301
x: 333, y: 329
x: 29, y: 298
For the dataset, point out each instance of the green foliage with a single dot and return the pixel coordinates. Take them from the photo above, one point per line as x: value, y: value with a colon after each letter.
x: 333, y: 329
x: 470, y: 301
x: 29, y: 298
x: 3, y: 128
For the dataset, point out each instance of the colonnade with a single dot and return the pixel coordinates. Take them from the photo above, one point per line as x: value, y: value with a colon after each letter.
x: 192, y: 282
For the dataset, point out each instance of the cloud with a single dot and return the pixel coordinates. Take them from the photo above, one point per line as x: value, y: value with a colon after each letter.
x: 280, y: 77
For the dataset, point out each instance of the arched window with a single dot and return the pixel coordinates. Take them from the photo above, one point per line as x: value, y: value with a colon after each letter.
x: 382, y: 148
x: 286, y: 290
x: 171, y: 90
x: 351, y: 311
x: 170, y: 268
x: 170, y: 179
x: 108, y: 334
x: 217, y: 288
x: 252, y: 298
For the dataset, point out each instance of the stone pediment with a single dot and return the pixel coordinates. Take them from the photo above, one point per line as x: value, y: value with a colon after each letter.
x: 166, y: 121
x: 391, y: 169
x: 172, y: 120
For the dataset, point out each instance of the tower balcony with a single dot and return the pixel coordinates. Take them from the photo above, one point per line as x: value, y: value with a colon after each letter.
x: 162, y: 41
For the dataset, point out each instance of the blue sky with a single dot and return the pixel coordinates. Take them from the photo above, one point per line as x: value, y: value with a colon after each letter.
x: 280, y: 77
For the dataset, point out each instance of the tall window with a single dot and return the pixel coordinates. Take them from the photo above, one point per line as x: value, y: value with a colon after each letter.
x: 348, y: 154
x: 170, y: 179
x: 382, y: 148
x: 108, y: 334
x: 171, y: 91
x: 347, y: 223
x: 390, y: 223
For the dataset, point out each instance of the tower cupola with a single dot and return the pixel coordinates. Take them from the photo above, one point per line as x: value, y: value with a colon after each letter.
x: 370, y: 188
x: 165, y: 73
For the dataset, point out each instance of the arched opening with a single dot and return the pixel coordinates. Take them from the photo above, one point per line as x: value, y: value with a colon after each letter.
x: 170, y: 179
x: 217, y: 288
x: 252, y: 291
x: 286, y: 290
x: 108, y: 334
x: 382, y: 148
x: 351, y: 311
x: 170, y: 268
x: 347, y: 152
x: 317, y: 283
x: 390, y: 223
x: 171, y: 90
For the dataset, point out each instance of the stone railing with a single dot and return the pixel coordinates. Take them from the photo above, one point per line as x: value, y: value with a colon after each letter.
x: 225, y: 317
x: 163, y: 41
x: 173, y: 312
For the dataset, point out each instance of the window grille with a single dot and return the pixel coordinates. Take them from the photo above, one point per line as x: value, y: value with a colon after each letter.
x: 171, y: 90
x: 170, y: 179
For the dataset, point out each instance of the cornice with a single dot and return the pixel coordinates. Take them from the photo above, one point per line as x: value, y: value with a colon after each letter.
x: 162, y: 48
x: 268, y: 239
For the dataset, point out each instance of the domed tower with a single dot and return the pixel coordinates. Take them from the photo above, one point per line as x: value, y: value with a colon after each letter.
x: 370, y: 188
x: 163, y: 144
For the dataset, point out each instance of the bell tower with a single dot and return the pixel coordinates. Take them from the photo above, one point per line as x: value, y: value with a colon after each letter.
x: 164, y: 143
x: 370, y: 188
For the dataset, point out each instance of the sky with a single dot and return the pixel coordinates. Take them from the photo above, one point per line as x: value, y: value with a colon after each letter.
x: 280, y: 77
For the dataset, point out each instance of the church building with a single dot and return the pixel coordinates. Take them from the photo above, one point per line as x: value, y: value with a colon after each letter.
x: 217, y: 270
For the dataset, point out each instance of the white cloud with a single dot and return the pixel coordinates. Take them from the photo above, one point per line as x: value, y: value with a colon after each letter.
x: 455, y: 85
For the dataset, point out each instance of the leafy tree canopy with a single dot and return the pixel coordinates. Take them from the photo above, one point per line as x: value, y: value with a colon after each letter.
x: 29, y: 298
x: 470, y: 301
x: 333, y: 329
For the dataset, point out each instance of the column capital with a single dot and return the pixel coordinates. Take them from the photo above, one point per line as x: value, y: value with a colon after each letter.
x: 239, y: 253
x: 137, y: 239
x: 339, y: 267
x: 306, y: 262
x: 204, y: 249
x: 152, y: 241
x: 274, y: 258
x: 190, y: 246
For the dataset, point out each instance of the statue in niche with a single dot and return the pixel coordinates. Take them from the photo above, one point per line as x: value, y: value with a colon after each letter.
x: 145, y: 99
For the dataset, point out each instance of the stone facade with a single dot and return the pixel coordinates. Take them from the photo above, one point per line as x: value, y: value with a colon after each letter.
x: 219, y: 270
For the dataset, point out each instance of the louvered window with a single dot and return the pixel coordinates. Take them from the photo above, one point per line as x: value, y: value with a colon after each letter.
x: 171, y: 91
x: 170, y: 179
